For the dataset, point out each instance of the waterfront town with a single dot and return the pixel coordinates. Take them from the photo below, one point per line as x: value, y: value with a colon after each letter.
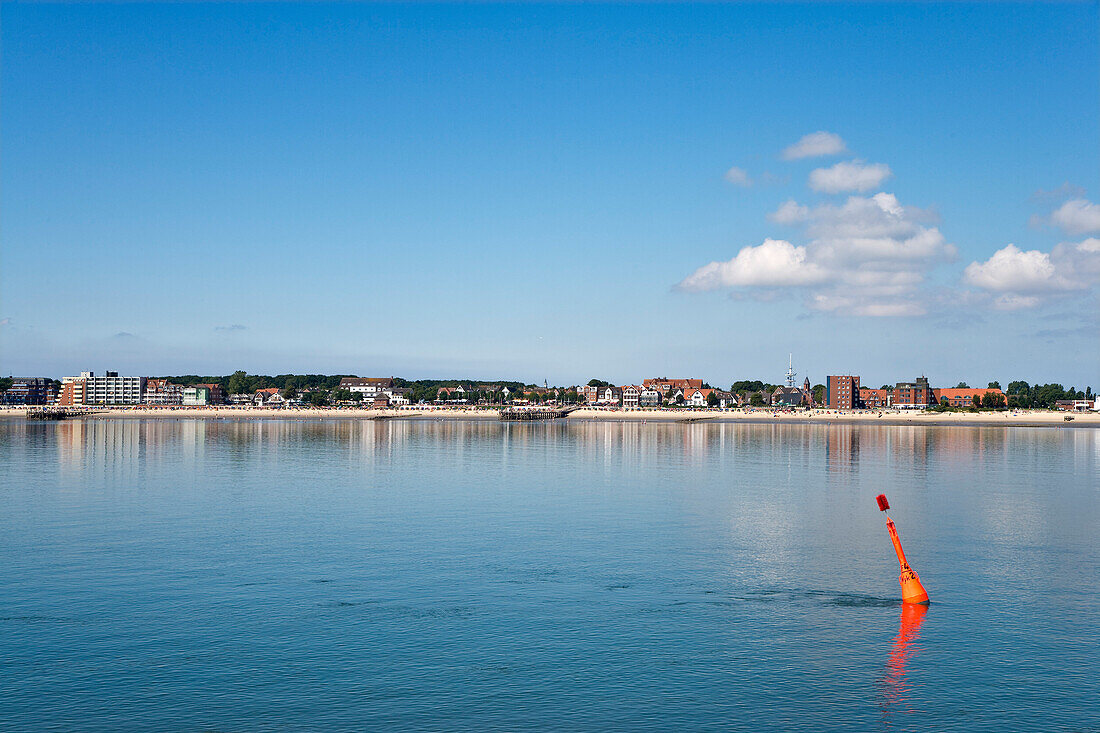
x: 109, y: 389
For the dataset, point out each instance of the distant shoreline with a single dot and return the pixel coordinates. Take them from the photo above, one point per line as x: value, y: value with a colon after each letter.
x: 1018, y: 418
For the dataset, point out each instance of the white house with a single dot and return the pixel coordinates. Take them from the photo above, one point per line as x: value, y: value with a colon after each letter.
x: 610, y: 395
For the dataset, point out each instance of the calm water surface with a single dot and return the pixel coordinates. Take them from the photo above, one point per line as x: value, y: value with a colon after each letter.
x: 421, y: 575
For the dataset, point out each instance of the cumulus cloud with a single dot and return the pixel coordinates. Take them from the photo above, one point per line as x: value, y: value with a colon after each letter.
x: 775, y: 263
x: 790, y: 212
x: 1091, y: 245
x: 1077, y: 216
x: 814, y: 145
x: 867, y: 256
x: 1013, y: 270
x: 876, y: 231
x: 1023, y: 279
x: 852, y: 175
x: 738, y: 177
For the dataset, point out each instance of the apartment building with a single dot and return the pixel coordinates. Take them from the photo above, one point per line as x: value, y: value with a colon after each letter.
x: 30, y: 391
x: 842, y: 392
x: 916, y: 395
x: 162, y: 392
x: 367, y: 386
x: 106, y: 389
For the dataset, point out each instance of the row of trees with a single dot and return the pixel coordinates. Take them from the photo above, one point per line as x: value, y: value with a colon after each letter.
x: 325, y: 389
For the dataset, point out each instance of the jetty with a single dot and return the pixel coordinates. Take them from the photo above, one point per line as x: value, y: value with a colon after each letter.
x: 56, y: 413
x: 534, y: 413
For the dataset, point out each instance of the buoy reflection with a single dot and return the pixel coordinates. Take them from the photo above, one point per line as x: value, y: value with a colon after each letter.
x: 896, y: 687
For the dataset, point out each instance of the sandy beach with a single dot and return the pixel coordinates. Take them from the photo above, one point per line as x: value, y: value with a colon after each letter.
x: 1030, y: 418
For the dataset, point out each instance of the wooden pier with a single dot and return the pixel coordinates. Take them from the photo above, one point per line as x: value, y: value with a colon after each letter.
x: 56, y: 413
x: 534, y: 413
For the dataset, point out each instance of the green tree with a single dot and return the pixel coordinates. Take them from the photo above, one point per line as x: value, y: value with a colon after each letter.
x: 994, y: 385
x: 819, y: 394
x: 756, y: 400
x: 1017, y: 388
x: 598, y: 383
x: 993, y: 401
x: 290, y: 393
x: 712, y: 400
x: 318, y: 398
x: 962, y: 385
x: 747, y: 386
x: 237, y: 383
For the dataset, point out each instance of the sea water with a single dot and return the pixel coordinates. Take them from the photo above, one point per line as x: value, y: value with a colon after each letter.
x: 344, y: 575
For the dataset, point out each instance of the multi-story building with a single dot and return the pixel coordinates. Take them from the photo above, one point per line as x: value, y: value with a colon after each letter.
x: 196, y: 395
x: 916, y: 395
x: 367, y: 386
x: 203, y: 394
x: 649, y: 397
x: 842, y: 392
x: 664, y: 385
x: 631, y: 394
x: 609, y: 395
x: 874, y: 399
x: 30, y: 391
x: 108, y: 389
x: 162, y: 392
x: 960, y: 397
x: 588, y: 393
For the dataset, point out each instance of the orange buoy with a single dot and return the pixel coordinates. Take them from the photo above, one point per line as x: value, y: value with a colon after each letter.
x: 911, y: 589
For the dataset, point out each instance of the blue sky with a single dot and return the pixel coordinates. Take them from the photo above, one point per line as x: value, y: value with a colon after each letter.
x: 535, y: 192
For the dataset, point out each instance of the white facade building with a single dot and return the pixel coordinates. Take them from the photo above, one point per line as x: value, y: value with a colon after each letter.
x: 108, y: 389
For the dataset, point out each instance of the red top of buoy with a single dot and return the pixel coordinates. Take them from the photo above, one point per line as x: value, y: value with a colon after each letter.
x: 883, y: 505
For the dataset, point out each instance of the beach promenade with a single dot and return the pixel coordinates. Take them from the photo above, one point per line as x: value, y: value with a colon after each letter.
x: 1028, y: 418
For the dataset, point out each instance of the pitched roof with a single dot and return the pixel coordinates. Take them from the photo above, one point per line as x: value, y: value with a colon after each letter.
x: 366, y: 382
x: 970, y: 392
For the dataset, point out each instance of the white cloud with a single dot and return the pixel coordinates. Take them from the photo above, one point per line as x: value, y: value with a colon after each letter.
x: 1010, y: 269
x: 790, y: 212
x: 1092, y: 244
x: 1077, y: 216
x: 738, y: 177
x: 868, y: 257
x: 874, y: 231
x: 852, y: 175
x: 815, y: 144
x: 775, y: 263
x: 1023, y: 279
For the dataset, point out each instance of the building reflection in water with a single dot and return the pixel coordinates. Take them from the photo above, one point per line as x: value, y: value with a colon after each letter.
x: 896, y: 687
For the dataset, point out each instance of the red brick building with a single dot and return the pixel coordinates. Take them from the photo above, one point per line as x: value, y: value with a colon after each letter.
x: 874, y: 399
x: 842, y: 392
x: 915, y: 395
x: 965, y: 397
